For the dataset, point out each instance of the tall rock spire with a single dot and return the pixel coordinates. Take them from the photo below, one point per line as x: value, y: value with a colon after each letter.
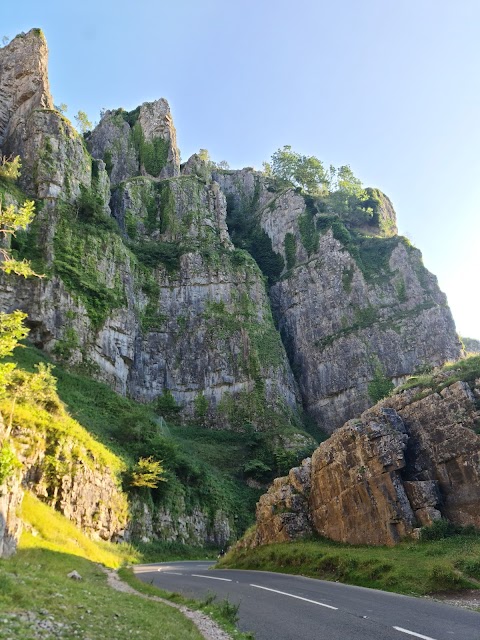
x: 23, y: 84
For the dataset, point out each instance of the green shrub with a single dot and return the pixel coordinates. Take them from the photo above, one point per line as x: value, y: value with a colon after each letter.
x: 10, y: 168
x: 310, y: 236
x: 153, y: 155
x: 443, y: 528
x: 146, y: 473
x: 152, y: 254
x: 380, y: 386
x: 8, y: 462
x: 166, y: 405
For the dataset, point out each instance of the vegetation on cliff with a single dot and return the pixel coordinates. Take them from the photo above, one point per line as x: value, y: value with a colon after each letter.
x: 205, y: 469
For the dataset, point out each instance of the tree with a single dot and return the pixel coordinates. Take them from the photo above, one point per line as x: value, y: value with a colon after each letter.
x: 12, y: 328
x: 83, y: 122
x: 10, y: 168
x: 305, y: 172
x: 147, y: 472
x: 12, y: 218
x: 62, y: 107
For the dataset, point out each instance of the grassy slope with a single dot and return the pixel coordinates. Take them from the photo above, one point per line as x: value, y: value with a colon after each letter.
x: 35, y: 590
x: 207, y: 464
x: 411, y: 567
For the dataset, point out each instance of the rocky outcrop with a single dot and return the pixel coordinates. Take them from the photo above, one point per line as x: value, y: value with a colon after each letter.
x: 405, y: 463
x: 80, y: 483
x: 353, y: 301
x: 23, y: 85
x: 471, y: 345
x: 141, y: 142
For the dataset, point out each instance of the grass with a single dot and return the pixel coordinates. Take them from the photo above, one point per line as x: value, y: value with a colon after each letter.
x: 93, y: 404
x: 413, y: 567
x: 54, y: 532
x: 466, y: 369
x: 204, y: 466
x: 224, y: 612
x: 36, y: 593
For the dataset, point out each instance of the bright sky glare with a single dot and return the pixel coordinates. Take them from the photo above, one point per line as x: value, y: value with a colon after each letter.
x: 391, y: 88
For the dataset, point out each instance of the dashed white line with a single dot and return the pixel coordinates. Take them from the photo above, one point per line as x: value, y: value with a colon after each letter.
x: 170, y: 573
x: 413, y: 633
x: 283, y: 593
x: 196, y: 575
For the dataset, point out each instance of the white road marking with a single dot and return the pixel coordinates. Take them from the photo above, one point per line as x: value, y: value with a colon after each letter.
x: 412, y: 633
x: 170, y: 573
x: 196, y: 575
x: 321, y: 604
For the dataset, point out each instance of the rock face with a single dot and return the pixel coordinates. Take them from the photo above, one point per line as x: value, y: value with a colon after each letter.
x: 72, y: 479
x: 23, y: 84
x: 342, y: 326
x: 147, y: 289
x: 353, y: 300
x: 405, y: 463
x: 195, y: 528
x: 142, y: 142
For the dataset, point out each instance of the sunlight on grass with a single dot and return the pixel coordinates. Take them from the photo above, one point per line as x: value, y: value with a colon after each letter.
x: 55, y: 533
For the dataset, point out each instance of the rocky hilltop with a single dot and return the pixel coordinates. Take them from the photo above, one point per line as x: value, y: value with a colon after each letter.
x: 406, y: 462
x: 157, y: 272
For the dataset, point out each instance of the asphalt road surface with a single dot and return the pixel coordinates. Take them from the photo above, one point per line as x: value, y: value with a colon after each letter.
x: 275, y: 606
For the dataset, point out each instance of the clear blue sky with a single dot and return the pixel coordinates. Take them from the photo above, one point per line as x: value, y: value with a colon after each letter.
x: 391, y: 87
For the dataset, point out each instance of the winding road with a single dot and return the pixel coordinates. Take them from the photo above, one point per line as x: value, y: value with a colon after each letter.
x: 276, y: 606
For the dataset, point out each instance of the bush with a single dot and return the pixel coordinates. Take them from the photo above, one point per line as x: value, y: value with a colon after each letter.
x: 166, y: 405
x: 443, y: 528
x: 8, y: 462
x: 147, y: 473
x: 151, y: 254
x: 290, y: 250
x: 380, y: 386
x: 10, y: 168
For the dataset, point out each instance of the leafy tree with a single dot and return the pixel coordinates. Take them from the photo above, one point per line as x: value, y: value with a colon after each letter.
x: 204, y: 155
x: 347, y: 193
x: 10, y: 168
x: 12, y: 328
x: 306, y: 172
x: 62, y: 107
x: 83, y: 122
x: 12, y: 218
x: 147, y: 473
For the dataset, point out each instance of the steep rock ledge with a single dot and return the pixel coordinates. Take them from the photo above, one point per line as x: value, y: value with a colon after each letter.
x: 352, y: 302
x: 406, y: 462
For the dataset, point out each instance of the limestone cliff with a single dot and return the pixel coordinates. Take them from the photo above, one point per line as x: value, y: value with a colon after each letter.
x: 146, y: 288
x: 351, y: 299
x: 406, y: 462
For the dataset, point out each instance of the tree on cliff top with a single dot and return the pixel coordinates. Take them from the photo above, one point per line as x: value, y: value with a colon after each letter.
x: 306, y: 172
